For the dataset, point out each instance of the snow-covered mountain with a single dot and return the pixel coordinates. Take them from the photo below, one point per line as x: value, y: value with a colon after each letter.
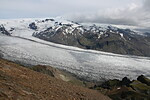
x: 88, y: 36
x: 19, y: 42
x: 16, y: 26
x: 103, y: 38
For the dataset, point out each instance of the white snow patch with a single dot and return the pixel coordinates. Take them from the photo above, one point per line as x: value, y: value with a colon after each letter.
x: 121, y: 34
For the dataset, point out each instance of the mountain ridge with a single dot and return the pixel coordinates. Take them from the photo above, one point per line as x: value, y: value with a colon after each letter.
x: 101, y: 38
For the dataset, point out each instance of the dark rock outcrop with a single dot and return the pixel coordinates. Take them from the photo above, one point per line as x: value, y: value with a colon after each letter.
x: 144, y: 80
x: 33, y: 26
x: 125, y: 81
x: 4, y: 31
x: 125, y: 89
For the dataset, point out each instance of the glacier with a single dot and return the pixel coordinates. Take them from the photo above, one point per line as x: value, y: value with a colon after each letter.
x: 88, y: 64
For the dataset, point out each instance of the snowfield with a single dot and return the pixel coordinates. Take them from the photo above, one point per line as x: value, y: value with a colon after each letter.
x: 88, y: 64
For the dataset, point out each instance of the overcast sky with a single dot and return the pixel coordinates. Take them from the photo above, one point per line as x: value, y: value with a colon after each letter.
x: 119, y: 12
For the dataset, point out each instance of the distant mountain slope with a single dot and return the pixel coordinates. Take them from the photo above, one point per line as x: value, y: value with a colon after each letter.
x: 21, y: 83
x: 97, y: 37
x: 109, y: 39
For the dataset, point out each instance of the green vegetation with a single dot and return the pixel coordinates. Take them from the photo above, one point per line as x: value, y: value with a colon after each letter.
x: 140, y: 87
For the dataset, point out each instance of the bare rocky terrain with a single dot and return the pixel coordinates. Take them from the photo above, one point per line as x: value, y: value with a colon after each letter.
x: 20, y: 83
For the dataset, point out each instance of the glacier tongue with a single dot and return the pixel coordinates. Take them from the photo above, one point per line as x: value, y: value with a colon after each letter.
x: 89, y: 64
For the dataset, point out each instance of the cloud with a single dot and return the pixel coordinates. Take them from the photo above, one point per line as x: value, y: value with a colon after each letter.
x: 102, y: 18
x: 118, y: 12
x: 133, y: 14
x: 112, y: 16
x: 146, y: 5
x: 10, y: 8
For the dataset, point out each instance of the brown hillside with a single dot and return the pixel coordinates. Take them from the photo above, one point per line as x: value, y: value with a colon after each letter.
x: 19, y: 83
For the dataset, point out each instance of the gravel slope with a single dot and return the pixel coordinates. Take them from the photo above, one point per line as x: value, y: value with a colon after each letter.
x: 17, y: 82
